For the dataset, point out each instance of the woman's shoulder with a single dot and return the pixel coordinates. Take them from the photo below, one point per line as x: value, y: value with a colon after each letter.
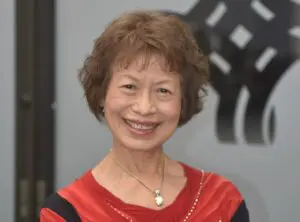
x: 79, y: 188
x: 57, y: 208
x: 213, y: 181
x: 217, y: 190
x: 71, y: 201
x: 60, y: 206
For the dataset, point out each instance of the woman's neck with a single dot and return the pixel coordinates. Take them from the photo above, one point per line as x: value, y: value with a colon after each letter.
x: 139, y: 163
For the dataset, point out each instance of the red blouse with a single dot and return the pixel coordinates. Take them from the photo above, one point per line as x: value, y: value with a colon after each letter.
x: 207, y: 197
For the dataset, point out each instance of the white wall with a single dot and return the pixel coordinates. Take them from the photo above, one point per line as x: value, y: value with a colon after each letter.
x: 7, y: 110
x: 264, y: 174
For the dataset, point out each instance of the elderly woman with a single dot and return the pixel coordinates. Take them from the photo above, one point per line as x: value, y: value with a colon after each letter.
x: 145, y: 78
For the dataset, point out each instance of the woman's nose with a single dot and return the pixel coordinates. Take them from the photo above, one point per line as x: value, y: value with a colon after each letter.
x: 144, y: 104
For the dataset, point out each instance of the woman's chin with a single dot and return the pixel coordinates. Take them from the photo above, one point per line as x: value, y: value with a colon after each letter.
x: 140, y: 146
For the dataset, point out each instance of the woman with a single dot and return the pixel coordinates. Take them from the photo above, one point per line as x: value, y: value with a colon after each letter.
x: 145, y: 78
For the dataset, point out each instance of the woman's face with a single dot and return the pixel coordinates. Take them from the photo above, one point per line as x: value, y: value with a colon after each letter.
x: 142, y: 107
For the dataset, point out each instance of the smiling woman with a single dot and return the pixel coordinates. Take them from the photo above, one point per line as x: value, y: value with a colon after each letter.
x: 146, y: 77
x: 142, y: 106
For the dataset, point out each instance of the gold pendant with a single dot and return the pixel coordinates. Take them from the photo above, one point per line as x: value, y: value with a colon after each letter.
x: 159, y: 200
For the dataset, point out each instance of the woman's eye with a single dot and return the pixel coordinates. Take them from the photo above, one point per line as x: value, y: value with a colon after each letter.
x: 164, y: 91
x: 129, y: 86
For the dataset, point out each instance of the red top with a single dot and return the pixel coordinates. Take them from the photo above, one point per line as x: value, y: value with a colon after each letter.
x: 206, y: 197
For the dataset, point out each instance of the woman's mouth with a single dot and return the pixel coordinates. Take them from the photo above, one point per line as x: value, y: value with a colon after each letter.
x: 141, y: 127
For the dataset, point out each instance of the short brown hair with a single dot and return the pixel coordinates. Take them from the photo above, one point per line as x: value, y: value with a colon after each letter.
x: 146, y: 32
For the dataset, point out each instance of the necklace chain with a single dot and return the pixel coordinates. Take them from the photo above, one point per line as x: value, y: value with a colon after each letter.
x: 157, y: 192
x: 187, y: 216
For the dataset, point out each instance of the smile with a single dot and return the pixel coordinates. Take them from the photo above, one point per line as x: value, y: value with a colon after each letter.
x: 141, y: 127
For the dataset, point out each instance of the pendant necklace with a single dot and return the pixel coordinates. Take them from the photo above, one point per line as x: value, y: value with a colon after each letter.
x: 158, y: 198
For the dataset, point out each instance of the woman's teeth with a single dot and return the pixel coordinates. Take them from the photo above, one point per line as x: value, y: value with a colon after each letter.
x: 141, y: 126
